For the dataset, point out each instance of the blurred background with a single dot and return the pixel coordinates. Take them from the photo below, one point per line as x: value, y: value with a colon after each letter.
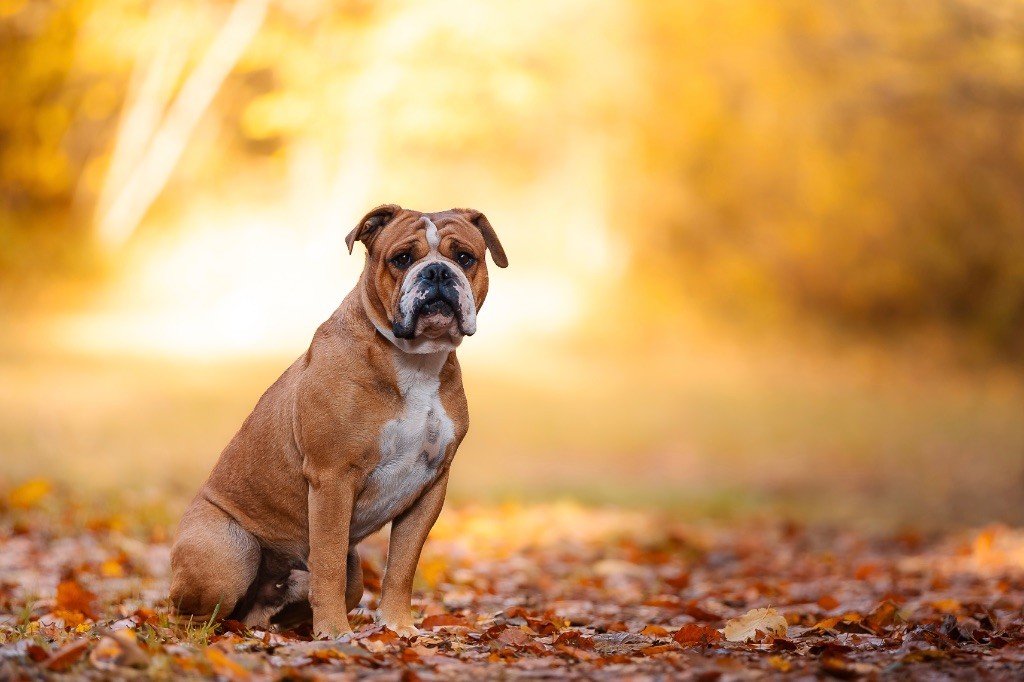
x: 766, y: 258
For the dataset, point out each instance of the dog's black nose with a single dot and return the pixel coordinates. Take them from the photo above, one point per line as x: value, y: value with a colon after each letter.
x: 436, y: 273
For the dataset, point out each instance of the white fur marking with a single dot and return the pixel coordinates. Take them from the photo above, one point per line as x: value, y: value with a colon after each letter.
x: 433, y: 240
x: 412, y: 447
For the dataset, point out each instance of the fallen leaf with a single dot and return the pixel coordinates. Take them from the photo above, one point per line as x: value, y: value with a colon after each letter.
x: 118, y: 649
x: 654, y: 631
x: 107, y: 654
x: 767, y: 620
x: 74, y: 598
x: 442, y: 620
x: 29, y: 493
x: 882, y: 617
x: 693, y: 634
x: 226, y: 667
x: 67, y: 655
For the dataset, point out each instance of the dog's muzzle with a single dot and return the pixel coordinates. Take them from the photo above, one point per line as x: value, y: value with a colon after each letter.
x: 437, y: 296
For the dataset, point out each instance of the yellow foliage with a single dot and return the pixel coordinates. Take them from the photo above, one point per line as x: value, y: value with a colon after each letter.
x: 30, y: 493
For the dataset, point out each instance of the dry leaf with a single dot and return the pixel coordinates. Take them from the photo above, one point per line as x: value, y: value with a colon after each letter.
x: 67, y: 655
x: 768, y: 621
x: 693, y: 634
x: 29, y: 493
x: 74, y: 598
x: 442, y: 620
x: 654, y: 631
x: 882, y: 617
x: 226, y: 667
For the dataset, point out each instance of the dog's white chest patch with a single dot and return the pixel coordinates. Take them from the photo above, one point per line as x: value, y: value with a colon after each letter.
x: 412, y: 446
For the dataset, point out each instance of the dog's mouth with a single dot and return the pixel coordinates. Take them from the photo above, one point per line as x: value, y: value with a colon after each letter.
x: 434, y: 318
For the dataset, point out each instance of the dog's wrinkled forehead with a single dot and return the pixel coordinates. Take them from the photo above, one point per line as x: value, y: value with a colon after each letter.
x: 428, y: 228
x: 385, y: 225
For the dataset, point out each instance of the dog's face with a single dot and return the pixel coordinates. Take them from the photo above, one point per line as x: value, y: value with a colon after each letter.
x: 426, y: 273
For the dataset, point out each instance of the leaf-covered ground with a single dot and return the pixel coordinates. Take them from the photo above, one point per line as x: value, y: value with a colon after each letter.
x: 540, y: 592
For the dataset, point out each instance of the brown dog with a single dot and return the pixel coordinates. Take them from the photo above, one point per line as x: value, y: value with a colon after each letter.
x: 358, y: 432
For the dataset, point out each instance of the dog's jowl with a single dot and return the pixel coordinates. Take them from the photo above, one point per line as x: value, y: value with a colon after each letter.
x: 360, y: 431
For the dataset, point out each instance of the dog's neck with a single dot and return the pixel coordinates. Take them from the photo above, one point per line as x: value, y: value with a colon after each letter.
x: 420, y: 346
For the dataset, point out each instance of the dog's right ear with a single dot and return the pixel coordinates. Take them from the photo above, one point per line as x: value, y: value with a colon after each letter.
x: 370, y: 225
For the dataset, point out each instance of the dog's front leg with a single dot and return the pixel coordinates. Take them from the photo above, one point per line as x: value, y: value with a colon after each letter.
x: 331, y: 499
x: 409, y: 531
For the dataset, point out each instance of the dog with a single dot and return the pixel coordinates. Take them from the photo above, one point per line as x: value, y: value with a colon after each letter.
x: 358, y: 432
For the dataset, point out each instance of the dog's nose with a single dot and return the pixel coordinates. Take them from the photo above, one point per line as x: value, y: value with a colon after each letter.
x: 436, y: 273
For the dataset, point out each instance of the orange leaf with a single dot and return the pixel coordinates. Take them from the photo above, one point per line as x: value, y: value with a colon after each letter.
x: 442, y: 620
x: 693, y: 634
x: 224, y: 666
x: 883, y: 616
x: 654, y: 631
x: 73, y: 597
x: 657, y: 649
x: 67, y: 655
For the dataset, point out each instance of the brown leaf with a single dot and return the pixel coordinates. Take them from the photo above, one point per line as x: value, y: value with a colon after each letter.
x: 679, y: 581
x: 442, y: 620
x: 37, y: 653
x: 574, y: 639
x: 74, y: 598
x: 515, y: 637
x: 882, y: 617
x: 67, y: 655
x: 693, y: 634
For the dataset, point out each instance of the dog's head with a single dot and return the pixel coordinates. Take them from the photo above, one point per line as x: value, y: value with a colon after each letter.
x: 426, y: 275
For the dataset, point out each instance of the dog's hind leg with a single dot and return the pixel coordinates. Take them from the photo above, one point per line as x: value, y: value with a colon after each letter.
x: 213, y: 562
x: 354, y: 580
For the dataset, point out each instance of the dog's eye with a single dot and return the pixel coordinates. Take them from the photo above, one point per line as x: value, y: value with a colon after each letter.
x: 402, y: 260
x: 465, y: 259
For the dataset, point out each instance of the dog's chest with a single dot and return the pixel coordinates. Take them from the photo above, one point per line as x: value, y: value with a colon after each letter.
x: 412, y: 447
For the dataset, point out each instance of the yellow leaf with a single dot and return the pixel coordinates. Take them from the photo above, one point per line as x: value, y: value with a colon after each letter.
x: 768, y: 621
x: 224, y: 666
x: 29, y: 493
x: 111, y: 568
x: 946, y: 605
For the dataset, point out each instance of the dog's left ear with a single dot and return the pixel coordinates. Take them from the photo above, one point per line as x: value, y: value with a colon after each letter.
x: 490, y: 236
x: 370, y: 225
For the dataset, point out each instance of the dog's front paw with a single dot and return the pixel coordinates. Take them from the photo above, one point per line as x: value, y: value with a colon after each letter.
x: 403, y: 626
x: 327, y: 630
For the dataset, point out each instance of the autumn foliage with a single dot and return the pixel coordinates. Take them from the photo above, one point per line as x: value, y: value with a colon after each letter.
x: 538, y: 591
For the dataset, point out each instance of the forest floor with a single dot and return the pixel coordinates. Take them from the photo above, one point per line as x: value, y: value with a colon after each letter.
x: 538, y: 592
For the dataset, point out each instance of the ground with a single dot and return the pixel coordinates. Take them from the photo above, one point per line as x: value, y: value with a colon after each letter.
x: 538, y: 592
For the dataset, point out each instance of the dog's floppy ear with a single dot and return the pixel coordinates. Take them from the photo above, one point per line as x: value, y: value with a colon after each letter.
x: 490, y: 236
x: 370, y: 224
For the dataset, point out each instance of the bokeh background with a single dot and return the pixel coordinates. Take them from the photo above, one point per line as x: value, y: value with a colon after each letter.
x: 766, y: 258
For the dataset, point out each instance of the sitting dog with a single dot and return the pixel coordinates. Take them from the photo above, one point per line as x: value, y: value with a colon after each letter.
x: 358, y: 432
